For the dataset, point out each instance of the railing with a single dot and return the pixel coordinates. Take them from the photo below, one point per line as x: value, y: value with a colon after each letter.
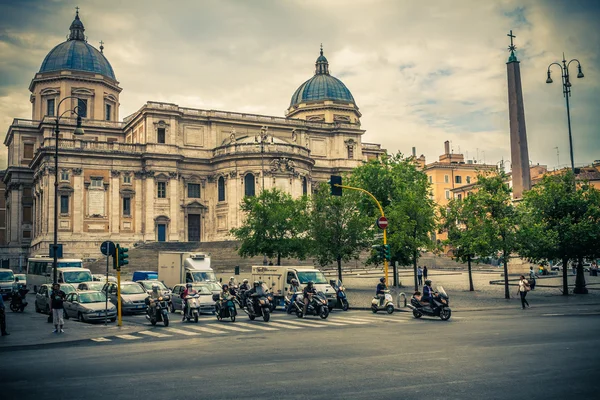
x: 255, y: 148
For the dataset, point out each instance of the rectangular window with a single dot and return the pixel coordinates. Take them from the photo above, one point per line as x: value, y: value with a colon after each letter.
x: 27, y: 215
x: 107, y: 112
x: 193, y: 190
x: 127, y: 179
x: 50, y: 107
x: 126, y: 206
x: 458, y: 179
x: 459, y: 196
x: 221, y: 187
x: 28, y: 151
x: 26, y: 234
x: 350, y: 152
x: 446, y: 179
x: 162, y: 190
x: 468, y: 179
x: 430, y: 179
x: 96, y: 182
x: 82, y: 108
x: 161, y: 135
x: 64, y: 176
x: 64, y: 204
x: 447, y: 195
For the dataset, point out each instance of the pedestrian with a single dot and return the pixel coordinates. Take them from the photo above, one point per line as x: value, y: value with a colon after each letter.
x: 57, y: 297
x: 3, y: 317
x: 425, y: 272
x: 532, y: 277
x: 523, y: 289
x: 420, y: 275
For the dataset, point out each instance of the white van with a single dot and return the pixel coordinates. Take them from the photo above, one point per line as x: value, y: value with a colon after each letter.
x: 39, y: 270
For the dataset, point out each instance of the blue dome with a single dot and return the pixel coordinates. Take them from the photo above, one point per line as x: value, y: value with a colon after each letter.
x: 77, y: 55
x: 322, y: 87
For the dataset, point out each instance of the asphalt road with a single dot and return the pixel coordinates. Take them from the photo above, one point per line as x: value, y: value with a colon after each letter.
x: 509, y: 354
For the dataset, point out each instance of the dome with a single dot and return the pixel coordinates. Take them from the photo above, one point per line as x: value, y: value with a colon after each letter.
x: 322, y: 86
x: 77, y: 55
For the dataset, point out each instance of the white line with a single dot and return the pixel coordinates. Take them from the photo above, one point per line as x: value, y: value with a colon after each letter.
x: 233, y: 328
x: 305, y: 324
x: 352, y: 322
x: 101, y: 339
x: 128, y: 337
x: 154, y: 334
x: 384, y: 319
x: 181, y: 331
x: 326, y: 322
x: 280, y: 325
x: 256, y: 326
x: 207, y: 330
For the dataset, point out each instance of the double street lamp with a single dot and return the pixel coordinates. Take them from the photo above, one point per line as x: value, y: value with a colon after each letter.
x: 564, y: 68
x: 78, y: 131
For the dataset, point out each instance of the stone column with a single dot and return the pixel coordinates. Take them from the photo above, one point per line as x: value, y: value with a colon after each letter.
x: 150, y: 194
x: 114, y: 203
x: 139, y: 198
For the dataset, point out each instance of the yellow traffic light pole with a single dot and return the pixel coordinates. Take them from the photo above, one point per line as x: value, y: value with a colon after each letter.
x: 119, y: 314
x: 385, y: 261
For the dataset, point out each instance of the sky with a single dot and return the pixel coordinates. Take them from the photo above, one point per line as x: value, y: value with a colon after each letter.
x: 420, y: 72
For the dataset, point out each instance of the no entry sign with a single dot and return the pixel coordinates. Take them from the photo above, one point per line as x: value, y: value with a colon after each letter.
x: 382, y: 222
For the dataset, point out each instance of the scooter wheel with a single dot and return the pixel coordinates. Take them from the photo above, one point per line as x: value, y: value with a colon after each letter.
x: 266, y: 315
x: 389, y: 309
x: 14, y: 307
x: 324, y: 313
x: 374, y: 309
x: 445, y: 314
x: 196, y: 318
x: 153, y: 322
x: 417, y: 314
x: 299, y: 314
x: 232, y: 318
x: 252, y: 317
x: 345, y: 306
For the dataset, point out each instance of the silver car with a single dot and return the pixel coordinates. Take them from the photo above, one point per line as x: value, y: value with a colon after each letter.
x: 133, y: 296
x: 147, y: 284
x: 207, y: 304
x: 89, y: 306
x: 42, y: 297
x: 93, y: 285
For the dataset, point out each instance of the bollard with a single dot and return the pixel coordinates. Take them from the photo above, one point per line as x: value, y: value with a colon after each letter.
x: 237, y: 270
x: 404, y: 300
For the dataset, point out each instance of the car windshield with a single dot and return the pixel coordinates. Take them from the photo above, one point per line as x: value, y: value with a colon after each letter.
x: 21, y: 277
x: 212, y: 286
x: 95, y: 297
x: 74, y: 264
x: 203, y: 289
x: 94, y: 285
x: 204, y: 276
x: 132, y: 288
x: 65, y: 288
x: 7, y: 276
x: 77, y: 276
x: 316, y: 276
x: 148, y: 285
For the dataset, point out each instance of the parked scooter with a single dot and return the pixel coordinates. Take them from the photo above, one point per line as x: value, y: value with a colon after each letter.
x: 258, y: 305
x: 224, y: 309
x: 385, y: 304
x: 342, y: 300
x: 192, y: 307
x: 158, y: 310
x: 317, y: 306
x: 18, y: 302
x: 440, y: 306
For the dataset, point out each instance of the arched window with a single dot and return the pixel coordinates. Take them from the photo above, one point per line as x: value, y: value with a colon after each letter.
x: 249, y: 185
x: 304, y: 186
x: 221, y: 187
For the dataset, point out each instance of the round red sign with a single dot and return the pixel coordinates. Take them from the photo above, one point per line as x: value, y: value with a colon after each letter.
x: 382, y: 222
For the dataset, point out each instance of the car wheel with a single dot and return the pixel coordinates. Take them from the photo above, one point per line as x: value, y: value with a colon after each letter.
x: 172, y: 309
x: 80, y: 317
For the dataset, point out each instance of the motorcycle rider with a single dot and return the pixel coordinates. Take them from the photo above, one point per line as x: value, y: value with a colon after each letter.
x: 308, y: 292
x: 428, y: 293
x: 380, y: 291
x: 255, y: 293
x: 189, y: 291
x: 152, y: 297
x: 16, y: 286
x: 244, y: 286
x: 294, y: 290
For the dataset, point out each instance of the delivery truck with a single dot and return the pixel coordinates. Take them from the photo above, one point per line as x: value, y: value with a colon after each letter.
x: 176, y: 267
x: 278, y: 278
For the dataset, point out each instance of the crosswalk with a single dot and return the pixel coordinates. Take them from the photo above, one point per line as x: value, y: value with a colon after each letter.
x: 280, y: 322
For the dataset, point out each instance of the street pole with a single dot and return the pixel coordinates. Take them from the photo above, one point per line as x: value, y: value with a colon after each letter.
x: 263, y: 137
x: 106, y: 295
x: 119, y: 314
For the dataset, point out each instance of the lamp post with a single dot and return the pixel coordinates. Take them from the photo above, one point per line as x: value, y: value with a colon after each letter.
x: 564, y: 68
x: 78, y: 131
x: 262, y: 138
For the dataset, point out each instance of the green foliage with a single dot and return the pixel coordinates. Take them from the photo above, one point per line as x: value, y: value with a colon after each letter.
x: 275, y: 225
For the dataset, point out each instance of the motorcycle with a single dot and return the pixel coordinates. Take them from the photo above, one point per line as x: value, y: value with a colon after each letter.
x: 342, y: 299
x: 224, y: 308
x: 258, y: 305
x: 317, y: 305
x: 440, y: 307
x: 18, y: 302
x: 158, y: 310
x: 192, y: 307
x: 387, y: 304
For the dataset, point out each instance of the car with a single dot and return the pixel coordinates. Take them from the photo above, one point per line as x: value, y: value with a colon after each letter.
x: 102, y: 278
x: 144, y: 276
x: 93, y: 285
x: 147, y: 285
x: 213, y: 286
x: 133, y: 296
x: 88, y: 306
x: 207, y: 304
x: 7, y: 278
x: 42, y: 297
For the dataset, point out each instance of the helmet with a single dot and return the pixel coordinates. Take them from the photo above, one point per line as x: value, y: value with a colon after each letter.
x: 225, y: 286
x: 232, y: 278
x: 310, y: 283
x: 428, y: 282
x: 256, y: 284
x: 295, y: 282
x: 155, y: 287
x: 188, y: 285
x: 382, y: 279
x: 245, y: 281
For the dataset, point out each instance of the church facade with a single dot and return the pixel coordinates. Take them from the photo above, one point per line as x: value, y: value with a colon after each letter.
x: 166, y: 172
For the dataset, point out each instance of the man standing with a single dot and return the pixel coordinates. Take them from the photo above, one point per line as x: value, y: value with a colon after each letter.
x: 425, y: 272
x: 3, y: 318
x: 532, y: 277
x: 57, y: 297
x: 420, y: 275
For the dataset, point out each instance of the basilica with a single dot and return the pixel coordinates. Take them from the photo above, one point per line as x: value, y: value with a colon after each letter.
x: 166, y: 172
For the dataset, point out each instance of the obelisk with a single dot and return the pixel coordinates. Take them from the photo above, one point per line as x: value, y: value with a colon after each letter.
x: 519, y: 154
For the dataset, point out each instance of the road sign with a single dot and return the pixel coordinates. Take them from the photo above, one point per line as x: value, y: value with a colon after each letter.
x: 382, y: 222
x: 107, y: 248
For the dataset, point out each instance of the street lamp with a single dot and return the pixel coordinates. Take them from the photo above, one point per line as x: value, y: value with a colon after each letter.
x: 567, y: 93
x: 78, y: 131
x: 262, y: 138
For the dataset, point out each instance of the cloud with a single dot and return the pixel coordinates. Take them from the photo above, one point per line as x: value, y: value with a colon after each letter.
x: 421, y: 72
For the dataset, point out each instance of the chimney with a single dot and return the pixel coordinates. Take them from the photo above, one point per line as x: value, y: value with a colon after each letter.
x: 447, y: 147
x: 414, y: 151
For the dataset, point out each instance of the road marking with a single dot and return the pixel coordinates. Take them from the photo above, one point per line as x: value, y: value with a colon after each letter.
x: 280, y: 325
x: 154, y: 334
x: 325, y: 322
x: 101, y: 339
x: 375, y: 319
x: 256, y: 326
x: 128, y: 337
x: 181, y: 331
x: 350, y: 321
x: 233, y: 328
x: 204, y: 329
x: 305, y: 324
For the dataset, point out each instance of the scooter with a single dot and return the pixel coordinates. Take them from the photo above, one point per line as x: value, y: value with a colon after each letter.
x: 158, y: 310
x: 342, y: 300
x: 386, y: 305
x: 317, y: 306
x: 18, y: 301
x: 440, y: 306
x: 258, y: 305
x: 192, y: 308
x: 224, y: 309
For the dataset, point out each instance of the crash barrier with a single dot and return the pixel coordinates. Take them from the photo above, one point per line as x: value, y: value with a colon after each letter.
x: 401, y: 303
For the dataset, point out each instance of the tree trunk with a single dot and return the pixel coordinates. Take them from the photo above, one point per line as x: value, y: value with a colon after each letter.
x: 278, y: 258
x: 471, y: 289
x: 506, y: 292
x: 580, y: 279
x: 565, y: 263
x: 415, y: 270
x: 339, y: 263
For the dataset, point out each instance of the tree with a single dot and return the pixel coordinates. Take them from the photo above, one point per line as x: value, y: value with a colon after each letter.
x: 465, y: 233
x: 497, y: 218
x: 560, y: 220
x: 338, y: 230
x: 275, y: 225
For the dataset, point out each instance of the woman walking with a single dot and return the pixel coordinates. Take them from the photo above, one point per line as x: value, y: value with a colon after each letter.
x: 523, y: 289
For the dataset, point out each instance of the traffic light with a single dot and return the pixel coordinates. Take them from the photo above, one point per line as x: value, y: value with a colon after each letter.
x: 115, y: 257
x: 336, y: 180
x: 379, y: 252
x: 387, y: 252
x: 123, y: 256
